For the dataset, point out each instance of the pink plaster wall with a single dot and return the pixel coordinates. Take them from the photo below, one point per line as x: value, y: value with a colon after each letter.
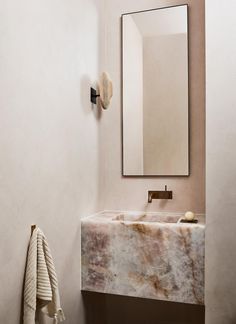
x: 131, y: 193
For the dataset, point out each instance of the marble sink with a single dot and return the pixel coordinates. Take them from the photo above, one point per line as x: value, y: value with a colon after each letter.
x: 148, y: 255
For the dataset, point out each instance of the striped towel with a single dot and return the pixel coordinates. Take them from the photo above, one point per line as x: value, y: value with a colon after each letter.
x: 41, y: 287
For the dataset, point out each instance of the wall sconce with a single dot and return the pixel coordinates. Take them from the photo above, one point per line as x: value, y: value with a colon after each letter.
x: 105, y: 91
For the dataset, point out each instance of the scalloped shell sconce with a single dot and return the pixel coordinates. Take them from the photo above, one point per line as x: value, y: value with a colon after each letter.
x: 105, y: 91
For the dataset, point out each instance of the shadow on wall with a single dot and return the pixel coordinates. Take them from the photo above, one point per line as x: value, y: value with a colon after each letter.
x: 112, y: 309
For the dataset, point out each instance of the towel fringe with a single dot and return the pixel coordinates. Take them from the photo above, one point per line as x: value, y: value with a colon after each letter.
x: 59, y: 316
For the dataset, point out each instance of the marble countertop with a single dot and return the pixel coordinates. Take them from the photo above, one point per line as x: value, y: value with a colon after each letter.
x: 144, y: 217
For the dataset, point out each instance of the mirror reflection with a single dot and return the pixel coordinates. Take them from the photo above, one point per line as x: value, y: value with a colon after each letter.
x: 155, y: 92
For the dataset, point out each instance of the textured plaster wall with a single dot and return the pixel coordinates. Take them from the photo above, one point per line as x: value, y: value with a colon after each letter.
x: 220, y: 157
x: 49, y: 55
x: 131, y: 193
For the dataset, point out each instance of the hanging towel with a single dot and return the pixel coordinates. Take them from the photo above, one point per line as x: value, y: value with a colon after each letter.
x: 41, y: 287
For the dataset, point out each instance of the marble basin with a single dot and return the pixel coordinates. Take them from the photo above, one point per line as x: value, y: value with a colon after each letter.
x: 148, y: 217
x: 148, y: 255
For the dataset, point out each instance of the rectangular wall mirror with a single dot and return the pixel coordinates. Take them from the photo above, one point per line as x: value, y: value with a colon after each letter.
x: 155, y: 104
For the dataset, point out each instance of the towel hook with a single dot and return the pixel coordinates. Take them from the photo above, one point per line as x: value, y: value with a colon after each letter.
x: 32, y: 228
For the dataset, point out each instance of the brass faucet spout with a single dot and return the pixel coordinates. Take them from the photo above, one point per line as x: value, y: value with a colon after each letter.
x: 159, y: 194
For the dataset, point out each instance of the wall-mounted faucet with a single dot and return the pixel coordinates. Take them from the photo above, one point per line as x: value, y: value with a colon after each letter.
x: 160, y: 194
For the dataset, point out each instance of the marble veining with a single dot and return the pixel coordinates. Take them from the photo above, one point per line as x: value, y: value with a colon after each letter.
x: 144, y: 255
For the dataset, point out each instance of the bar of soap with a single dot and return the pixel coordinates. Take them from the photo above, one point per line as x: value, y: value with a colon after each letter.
x: 189, y: 216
